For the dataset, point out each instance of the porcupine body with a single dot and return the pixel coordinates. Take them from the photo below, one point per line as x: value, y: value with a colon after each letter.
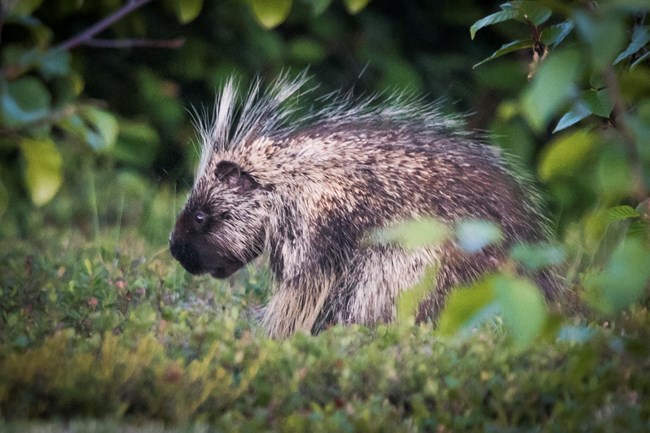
x: 307, y: 191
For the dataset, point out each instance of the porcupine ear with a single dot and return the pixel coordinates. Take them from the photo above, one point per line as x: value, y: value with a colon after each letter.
x: 232, y: 174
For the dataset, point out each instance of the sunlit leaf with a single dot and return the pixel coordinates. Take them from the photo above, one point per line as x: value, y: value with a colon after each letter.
x: 43, y: 173
x: 355, y: 6
x: 188, y: 10
x: 23, y: 101
x: 640, y: 37
x: 552, y: 86
x: 271, y: 13
x: 566, y: 153
x: 474, y: 235
x: 497, y: 17
x: 507, y: 48
x: 619, y: 213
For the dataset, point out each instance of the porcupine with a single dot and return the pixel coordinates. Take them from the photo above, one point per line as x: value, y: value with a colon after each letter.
x: 306, y: 189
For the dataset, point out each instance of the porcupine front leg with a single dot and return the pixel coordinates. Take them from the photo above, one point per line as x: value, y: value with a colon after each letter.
x: 294, y: 307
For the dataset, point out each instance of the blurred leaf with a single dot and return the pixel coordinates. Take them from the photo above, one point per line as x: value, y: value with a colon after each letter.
x: 23, y: 101
x: 539, y: 255
x: 271, y: 13
x: 307, y: 50
x: 465, y: 307
x: 319, y: 6
x: 414, y: 234
x: 619, y: 213
x: 355, y: 6
x: 523, y: 308
x: 623, y: 280
x: 615, y: 177
x: 566, y: 153
x: 640, y: 37
x: 137, y: 144
x: 552, y: 86
x: 4, y: 198
x: 605, y: 36
x: 105, y: 126
x: 497, y: 17
x: 54, y: 63
x: 23, y: 7
x: 188, y: 10
x: 553, y: 35
x: 43, y: 173
x: 507, y: 48
x: 409, y: 301
x: 474, y: 235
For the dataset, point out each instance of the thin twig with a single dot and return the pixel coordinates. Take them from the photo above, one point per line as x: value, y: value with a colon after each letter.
x: 129, y: 43
x: 100, y: 26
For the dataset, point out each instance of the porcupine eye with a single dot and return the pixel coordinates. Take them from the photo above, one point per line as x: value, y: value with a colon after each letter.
x: 200, y: 219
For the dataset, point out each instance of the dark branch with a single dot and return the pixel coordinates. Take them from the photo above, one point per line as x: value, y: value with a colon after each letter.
x: 129, y: 43
x: 100, y: 26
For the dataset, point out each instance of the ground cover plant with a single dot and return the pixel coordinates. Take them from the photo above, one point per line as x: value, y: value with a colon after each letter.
x: 100, y: 330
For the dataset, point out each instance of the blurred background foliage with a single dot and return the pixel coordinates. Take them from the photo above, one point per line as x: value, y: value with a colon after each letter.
x: 95, y: 97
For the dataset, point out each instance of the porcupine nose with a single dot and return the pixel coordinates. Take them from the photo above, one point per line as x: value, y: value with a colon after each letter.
x: 186, y: 254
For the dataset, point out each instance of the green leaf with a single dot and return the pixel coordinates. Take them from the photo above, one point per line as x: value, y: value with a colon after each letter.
x: 522, y: 306
x: 414, y: 234
x: 23, y: 101
x: 605, y: 37
x: 623, y: 280
x: 43, y: 173
x: 465, y: 307
x: 319, y: 6
x: 598, y: 102
x: 565, y: 154
x: 188, y: 10
x: 538, y: 256
x: 271, y: 13
x: 553, y: 35
x: 409, y: 301
x: 24, y: 7
x: 495, y: 18
x: 638, y: 61
x: 103, y: 124
x: 533, y: 12
x: 640, y: 37
x: 355, y: 6
x: 474, y: 235
x: 620, y: 213
x: 578, y: 112
x: 507, y: 48
x: 590, y: 102
x: 54, y: 63
x: 552, y: 86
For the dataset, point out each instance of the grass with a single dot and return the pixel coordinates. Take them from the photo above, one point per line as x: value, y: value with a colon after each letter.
x: 102, y: 331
